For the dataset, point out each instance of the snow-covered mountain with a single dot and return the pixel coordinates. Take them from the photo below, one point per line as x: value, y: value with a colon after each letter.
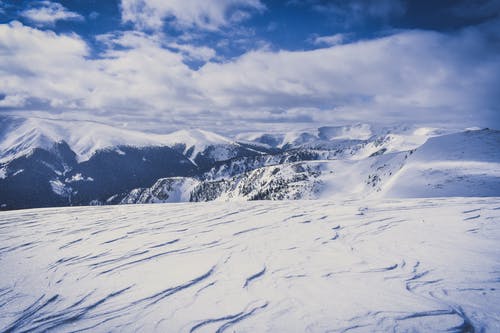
x: 46, y: 162
x: 19, y: 136
x: 288, y: 181
x: 395, y: 138
x: 460, y: 164
x: 203, y: 146
x: 299, y: 138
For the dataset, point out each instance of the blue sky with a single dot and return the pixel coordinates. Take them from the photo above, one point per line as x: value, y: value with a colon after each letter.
x: 252, y: 63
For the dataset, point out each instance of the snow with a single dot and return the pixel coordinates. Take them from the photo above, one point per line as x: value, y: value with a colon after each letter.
x: 397, y: 137
x: 464, y: 164
x: 480, y: 145
x: 445, y: 179
x: 84, y: 137
x: 172, y: 189
x: 460, y: 164
x: 197, y: 138
x: 59, y: 188
x: 196, y: 141
x: 359, y: 266
x: 78, y: 178
x: 119, y: 151
x: 18, y: 136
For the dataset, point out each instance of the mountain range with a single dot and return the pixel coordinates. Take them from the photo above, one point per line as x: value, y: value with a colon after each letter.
x: 47, y: 162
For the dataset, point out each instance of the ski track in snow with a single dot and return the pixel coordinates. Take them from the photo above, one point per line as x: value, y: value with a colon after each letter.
x: 302, y: 266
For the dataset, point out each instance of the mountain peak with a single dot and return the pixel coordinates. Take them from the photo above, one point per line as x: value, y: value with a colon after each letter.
x: 197, y: 136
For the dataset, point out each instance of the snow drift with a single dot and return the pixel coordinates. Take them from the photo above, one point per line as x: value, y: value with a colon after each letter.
x: 303, y: 266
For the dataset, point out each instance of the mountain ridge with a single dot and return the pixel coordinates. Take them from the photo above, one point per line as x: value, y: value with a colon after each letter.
x: 39, y: 168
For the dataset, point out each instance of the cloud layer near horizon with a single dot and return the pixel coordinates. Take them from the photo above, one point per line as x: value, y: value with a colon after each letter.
x: 409, y: 76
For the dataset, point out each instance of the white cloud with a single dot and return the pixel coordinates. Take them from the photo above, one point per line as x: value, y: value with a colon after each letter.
x: 54, y: 69
x: 41, y: 63
x: 13, y: 101
x: 50, y: 12
x: 148, y: 76
x: 202, y: 53
x: 329, y: 40
x: 188, y: 51
x: 206, y: 14
x: 410, y: 76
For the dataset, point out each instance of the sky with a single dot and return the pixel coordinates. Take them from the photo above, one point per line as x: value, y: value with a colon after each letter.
x: 231, y: 65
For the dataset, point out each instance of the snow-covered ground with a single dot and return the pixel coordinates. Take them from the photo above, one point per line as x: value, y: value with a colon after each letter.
x: 426, y: 265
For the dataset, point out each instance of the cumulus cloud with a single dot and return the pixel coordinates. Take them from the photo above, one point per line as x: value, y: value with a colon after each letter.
x: 41, y: 64
x: 408, y: 69
x: 410, y: 75
x: 48, y: 13
x: 207, y: 14
x: 135, y: 73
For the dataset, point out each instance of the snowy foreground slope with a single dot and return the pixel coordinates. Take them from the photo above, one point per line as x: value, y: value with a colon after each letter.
x: 426, y: 265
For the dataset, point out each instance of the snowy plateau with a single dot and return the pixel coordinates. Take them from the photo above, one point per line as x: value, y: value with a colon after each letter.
x: 333, y: 229
x: 407, y: 265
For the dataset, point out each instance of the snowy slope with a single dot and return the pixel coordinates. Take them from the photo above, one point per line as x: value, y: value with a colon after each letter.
x: 427, y: 265
x: 172, y: 189
x: 460, y: 164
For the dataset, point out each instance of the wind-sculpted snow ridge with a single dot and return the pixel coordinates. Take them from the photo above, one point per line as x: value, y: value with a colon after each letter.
x: 424, y: 265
